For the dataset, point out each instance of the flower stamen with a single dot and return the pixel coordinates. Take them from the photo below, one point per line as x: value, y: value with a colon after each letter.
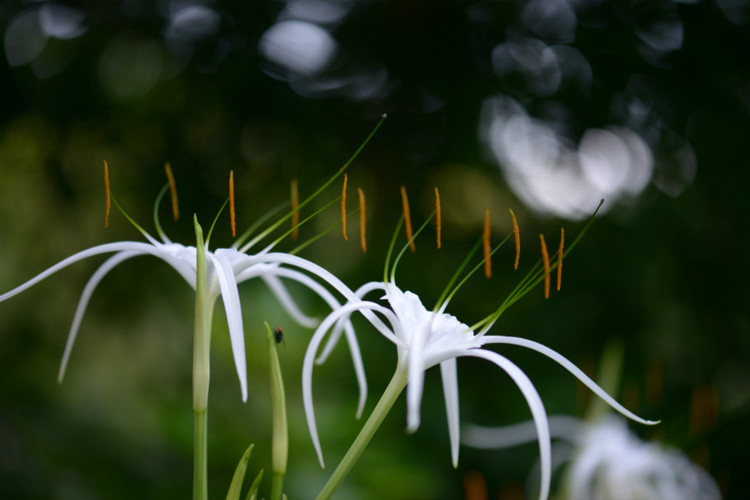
x: 295, y: 209
x: 343, y: 208
x: 362, y: 220
x: 560, y: 258
x: 486, y: 245
x: 232, y: 218
x: 517, y: 236
x: 407, y: 219
x: 108, y: 203
x: 172, y: 191
x: 438, y: 216
x: 545, y: 257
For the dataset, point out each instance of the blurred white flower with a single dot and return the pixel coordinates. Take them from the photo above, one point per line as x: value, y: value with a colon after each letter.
x: 612, y: 463
x: 608, y: 461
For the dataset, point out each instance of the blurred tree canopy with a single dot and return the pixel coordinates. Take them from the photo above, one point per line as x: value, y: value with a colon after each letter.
x: 543, y: 106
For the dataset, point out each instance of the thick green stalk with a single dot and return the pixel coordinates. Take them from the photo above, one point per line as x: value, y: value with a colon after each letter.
x: 201, y: 370
x: 391, y: 393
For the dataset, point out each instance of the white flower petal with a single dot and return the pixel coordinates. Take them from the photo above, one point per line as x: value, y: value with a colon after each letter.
x: 231, y: 298
x: 83, y: 302
x: 309, y: 360
x: 450, y: 393
x: 537, y: 411
x: 282, y: 294
x: 573, y: 369
x: 483, y: 437
x: 134, y: 246
x: 359, y: 368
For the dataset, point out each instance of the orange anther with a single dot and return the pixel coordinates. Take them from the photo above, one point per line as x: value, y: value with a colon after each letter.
x: 545, y: 257
x: 295, y: 206
x: 486, y: 244
x: 475, y: 486
x: 517, y: 236
x: 362, y: 220
x: 407, y: 219
x: 108, y: 202
x: 172, y: 191
x: 343, y: 209
x: 438, y: 216
x: 560, y: 258
x: 232, y: 219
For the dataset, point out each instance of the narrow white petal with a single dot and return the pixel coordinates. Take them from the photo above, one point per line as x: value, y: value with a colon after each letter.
x: 415, y: 387
x: 329, y: 278
x: 572, y: 368
x: 83, y: 302
x: 309, y: 360
x: 359, y: 367
x: 450, y: 393
x: 344, y: 322
x: 479, y: 436
x: 231, y: 298
x: 282, y: 294
x: 537, y: 411
x: 134, y: 246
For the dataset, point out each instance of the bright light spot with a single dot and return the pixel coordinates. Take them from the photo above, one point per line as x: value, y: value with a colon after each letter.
x: 529, y: 64
x: 551, y: 19
x: 316, y: 11
x: 24, y: 39
x: 554, y: 177
x: 298, y: 47
x: 58, y: 21
x: 189, y: 25
x: 663, y: 34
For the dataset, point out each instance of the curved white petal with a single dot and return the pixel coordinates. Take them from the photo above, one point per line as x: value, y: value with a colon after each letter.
x: 344, y: 322
x: 359, y: 368
x: 83, y: 302
x: 573, y: 369
x: 537, y: 411
x: 282, y: 294
x: 231, y: 298
x: 480, y: 436
x: 329, y: 278
x: 450, y: 393
x: 309, y: 360
x: 134, y: 246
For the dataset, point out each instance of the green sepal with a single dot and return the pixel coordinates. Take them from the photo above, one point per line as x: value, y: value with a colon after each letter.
x: 252, y: 493
x: 235, y: 488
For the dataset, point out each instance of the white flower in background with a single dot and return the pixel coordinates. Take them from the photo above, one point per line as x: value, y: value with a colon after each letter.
x: 608, y: 461
x: 613, y: 463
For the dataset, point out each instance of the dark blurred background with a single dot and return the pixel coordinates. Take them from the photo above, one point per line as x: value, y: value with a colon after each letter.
x: 542, y: 106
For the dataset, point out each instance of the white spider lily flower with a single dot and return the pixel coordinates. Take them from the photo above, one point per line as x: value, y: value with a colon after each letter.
x: 226, y: 269
x: 607, y: 461
x: 427, y: 338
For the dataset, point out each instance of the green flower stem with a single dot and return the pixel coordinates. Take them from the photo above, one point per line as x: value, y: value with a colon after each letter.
x: 280, y: 447
x: 201, y: 370
x: 391, y: 393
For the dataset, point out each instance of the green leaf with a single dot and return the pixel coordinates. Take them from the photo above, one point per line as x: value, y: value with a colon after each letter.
x: 252, y: 494
x: 235, y: 488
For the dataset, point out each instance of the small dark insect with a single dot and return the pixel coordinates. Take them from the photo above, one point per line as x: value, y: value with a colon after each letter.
x: 278, y: 335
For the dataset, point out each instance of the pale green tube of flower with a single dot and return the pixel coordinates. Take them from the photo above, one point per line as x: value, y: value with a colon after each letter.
x: 280, y: 445
x: 201, y: 369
